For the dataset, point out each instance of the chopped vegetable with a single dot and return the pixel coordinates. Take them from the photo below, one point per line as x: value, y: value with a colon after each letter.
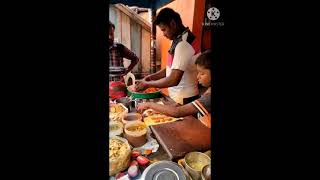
x: 133, y: 171
x: 135, y: 153
x: 134, y: 163
x: 119, y: 175
x: 142, y: 160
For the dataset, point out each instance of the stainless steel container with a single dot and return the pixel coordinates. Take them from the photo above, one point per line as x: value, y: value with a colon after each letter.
x: 206, y: 172
x: 163, y: 170
x: 194, y: 163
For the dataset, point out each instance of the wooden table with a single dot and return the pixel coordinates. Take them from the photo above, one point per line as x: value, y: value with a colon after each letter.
x: 188, y: 136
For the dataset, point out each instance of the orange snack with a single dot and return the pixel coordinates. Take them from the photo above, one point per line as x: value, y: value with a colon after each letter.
x: 150, y: 90
x: 147, y: 151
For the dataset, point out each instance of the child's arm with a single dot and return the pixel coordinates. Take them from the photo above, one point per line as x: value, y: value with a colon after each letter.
x: 180, y: 111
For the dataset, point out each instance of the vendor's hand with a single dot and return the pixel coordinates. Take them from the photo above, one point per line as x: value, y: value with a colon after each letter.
x: 147, y: 78
x: 176, y: 105
x: 143, y: 106
x: 142, y: 85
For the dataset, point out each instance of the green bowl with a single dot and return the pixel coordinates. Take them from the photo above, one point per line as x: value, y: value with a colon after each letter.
x: 137, y: 95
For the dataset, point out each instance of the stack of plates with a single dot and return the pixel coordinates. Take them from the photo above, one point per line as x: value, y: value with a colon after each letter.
x: 163, y: 170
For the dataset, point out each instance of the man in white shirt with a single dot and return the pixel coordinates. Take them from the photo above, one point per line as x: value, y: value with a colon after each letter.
x: 180, y: 74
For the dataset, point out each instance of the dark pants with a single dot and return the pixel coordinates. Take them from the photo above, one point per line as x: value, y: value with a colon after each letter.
x: 190, y: 99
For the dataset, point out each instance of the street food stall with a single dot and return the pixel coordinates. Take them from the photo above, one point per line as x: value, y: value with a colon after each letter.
x: 148, y: 145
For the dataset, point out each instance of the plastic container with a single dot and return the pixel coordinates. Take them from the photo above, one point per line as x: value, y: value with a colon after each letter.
x: 131, y: 117
x: 136, y: 133
x: 117, y: 111
x: 121, y: 160
x: 115, y: 128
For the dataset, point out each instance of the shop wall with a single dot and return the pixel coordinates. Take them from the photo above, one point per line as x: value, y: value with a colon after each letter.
x: 133, y: 33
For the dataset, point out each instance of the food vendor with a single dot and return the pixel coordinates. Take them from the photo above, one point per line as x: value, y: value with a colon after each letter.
x: 180, y: 74
x: 118, y: 51
x: 202, y: 106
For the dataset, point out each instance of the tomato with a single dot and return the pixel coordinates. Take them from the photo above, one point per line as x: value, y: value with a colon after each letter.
x: 119, y: 175
x: 135, y: 153
x: 142, y: 160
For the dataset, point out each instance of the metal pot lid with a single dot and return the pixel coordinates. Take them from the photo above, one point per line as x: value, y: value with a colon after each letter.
x: 163, y: 170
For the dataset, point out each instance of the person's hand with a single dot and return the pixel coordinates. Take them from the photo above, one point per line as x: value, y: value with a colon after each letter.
x: 147, y: 78
x: 176, y: 105
x: 143, y: 106
x: 142, y: 85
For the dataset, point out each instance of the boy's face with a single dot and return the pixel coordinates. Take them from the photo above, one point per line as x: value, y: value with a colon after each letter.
x: 168, y: 30
x: 204, y: 76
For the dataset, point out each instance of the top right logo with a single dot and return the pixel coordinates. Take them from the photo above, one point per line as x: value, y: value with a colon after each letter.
x: 213, y: 14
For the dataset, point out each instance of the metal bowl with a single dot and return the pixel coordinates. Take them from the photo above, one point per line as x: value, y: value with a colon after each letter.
x: 163, y: 170
x: 195, y: 161
x: 206, y: 172
x: 139, y: 95
x: 125, y: 101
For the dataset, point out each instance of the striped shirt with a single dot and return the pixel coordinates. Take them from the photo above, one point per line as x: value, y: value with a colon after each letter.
x: 203, y: 105
x: 116, y: 54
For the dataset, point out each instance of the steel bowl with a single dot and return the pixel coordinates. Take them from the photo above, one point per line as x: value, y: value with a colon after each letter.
x: 206, y: 172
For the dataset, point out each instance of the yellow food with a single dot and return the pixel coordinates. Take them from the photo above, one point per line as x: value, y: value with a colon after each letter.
x: 196, y: 165
x: 113, y: 127
x: 136, y: 128
x: 161, y: 118
x: 116, y: 112
x: 119, y: 109
x: 154, y: 118
x: 116, y: 108
x: 117, y: 149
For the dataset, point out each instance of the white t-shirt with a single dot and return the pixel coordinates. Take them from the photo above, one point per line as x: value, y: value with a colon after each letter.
x: 184, y: 60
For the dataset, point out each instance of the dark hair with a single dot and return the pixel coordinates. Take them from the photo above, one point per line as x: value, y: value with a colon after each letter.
x: 111, y: 25
x: 205, y: 59
x: 166, y: 15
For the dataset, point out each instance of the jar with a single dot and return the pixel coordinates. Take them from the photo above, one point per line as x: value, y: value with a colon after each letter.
x: 131, y: 117
x: 136, y: 133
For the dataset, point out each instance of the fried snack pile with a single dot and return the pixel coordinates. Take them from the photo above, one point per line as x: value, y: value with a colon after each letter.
x: 157, y: 117
x: 116, y: 112
x: 116, y: 108
x: 117, y: 149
